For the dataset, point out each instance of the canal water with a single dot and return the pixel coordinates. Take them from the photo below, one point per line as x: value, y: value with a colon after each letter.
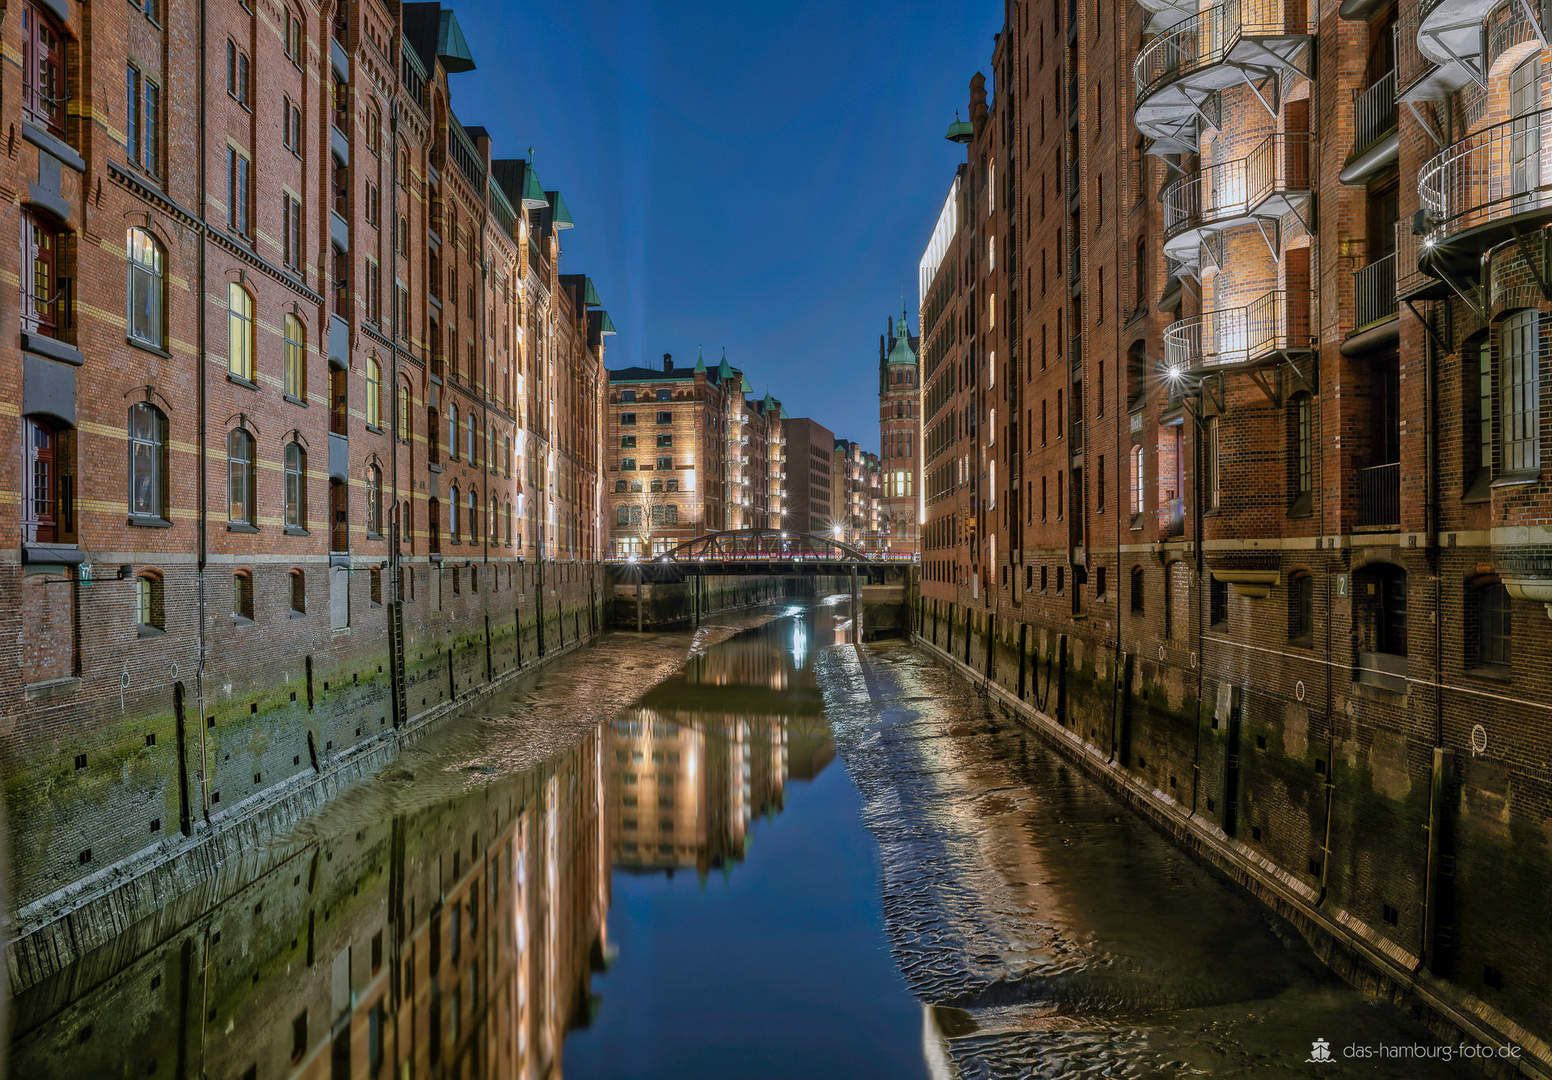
x: 751, y: 851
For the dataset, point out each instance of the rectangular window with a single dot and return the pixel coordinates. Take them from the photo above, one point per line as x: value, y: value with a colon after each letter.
x: 1210, y: 451
x: 43, y: 70
x: 132, y: 113
x: 1304, y: 449
x: 151, y: 129
x: 1520, y: 361
x: 46, y: 299
x: 291, y: 210
x: 237, y: 167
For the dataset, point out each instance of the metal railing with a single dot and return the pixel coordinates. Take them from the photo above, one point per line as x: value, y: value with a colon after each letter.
x: 1489, y: 175
x: 1408, y: 277
x: 1374, y: 112
x: 412, y: 75
x: 1379, y: 495
x: 1374, y: 292
x: 1412, y: 67
x: 1208, y: 37
x: 1280, y: 321
x: 1279, y: 164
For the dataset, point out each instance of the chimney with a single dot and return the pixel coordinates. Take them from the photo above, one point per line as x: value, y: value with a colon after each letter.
x: 668, y: 361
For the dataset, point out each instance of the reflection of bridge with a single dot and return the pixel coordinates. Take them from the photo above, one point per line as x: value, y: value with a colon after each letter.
x: 768, y: 551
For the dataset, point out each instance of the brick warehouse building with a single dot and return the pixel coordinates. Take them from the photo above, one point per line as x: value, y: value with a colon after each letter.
x: 691, y: 451
x: 234, y: 579
x: 1267, y: 538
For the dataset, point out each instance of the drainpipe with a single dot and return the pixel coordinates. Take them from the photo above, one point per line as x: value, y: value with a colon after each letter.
x: 200, y: 410
x: 396, y: 531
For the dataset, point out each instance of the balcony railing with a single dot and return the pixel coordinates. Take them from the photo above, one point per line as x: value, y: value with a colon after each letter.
x: 1409, y: 279
x: 1207, y: 38
x: 1412, y: 67
x: 1489, y: 175
x: 1374, y: 292
x: 1279, y: 164
x: 1277, y: 322
x: 1379, y: 495
x: 1374, y: 112
x: 1075, y: 435
x: 469, y: 160
x: 412, y: 74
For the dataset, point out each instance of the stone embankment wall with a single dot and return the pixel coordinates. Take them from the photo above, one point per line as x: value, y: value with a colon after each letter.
x: 1246, y: 782
x: 127, y: 789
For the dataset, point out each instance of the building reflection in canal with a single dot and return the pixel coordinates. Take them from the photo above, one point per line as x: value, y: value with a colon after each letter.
x: 455, y: 939
x: 711, y: 750
x: 434, y: 925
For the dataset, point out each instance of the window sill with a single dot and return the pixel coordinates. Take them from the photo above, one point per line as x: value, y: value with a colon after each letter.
x: 294, y: 400
x: 1520, y: 478
x: 297, y: 530
x: 148, y: 521
x: 146, y: 346
x: 1302, y: 507
x: 53, y: 348
x: 241, y: 620
x: 295, y: 614
x: 151, y: 631
x: 434, y: 466
x: 370, y: 535
x: 374, y: 429
x: 241, y: 527
x: 238, y: 380
x: 53, y: 144
x: 1496, y: 672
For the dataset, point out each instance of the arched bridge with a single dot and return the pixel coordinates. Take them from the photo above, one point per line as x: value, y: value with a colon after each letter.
x: 769, y: 551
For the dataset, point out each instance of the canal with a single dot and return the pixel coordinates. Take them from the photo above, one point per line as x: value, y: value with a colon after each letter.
x: 753, y: 850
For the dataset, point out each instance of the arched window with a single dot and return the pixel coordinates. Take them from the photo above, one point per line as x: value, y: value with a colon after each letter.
x: 1137, y: 590
x: 242, y: 595
x: 147, y: 461
x: 296, y: 486
x: 296, y: 359
x: 490, y: 448
x: 434, y: 525
x: 474, y: 515
x: 471, y: 439
x: 45, y: 300
x: 239, y: 332
x: 508, y: 513
x: 404, y: 410
x: 149, y: 606
x: 452, y: 520
x: 493, y: 533
x: 146, y: 289
x: 240, y: 477
x: 298, y: 591
x: 374, y: 500
x: 374, y: 393
x: 452, y: 433
x: 506, y: 455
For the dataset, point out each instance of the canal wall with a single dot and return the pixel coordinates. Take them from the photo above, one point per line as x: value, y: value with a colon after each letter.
x: 1224, y: 768
x: 408, y: 928
x: 179, y: 768
x: 669, y: 599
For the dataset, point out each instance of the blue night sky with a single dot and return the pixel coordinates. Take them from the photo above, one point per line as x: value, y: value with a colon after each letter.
x: 760, y: 176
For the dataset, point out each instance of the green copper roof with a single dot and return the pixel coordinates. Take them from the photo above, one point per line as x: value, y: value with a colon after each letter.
x: 608, y: 324
x: 533, y: 192
x: 784, y: 412
x: 700, y: 362
x: 747, y: 389
x: 559, y: 215
x: 960, y: 131
x: 901, y: 353
x: 765, y: 405
x: 723, y: 370
x: 452, y: 49
x: 590, y: 294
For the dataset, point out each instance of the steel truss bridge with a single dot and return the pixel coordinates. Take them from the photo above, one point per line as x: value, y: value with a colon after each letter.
x: 769, y: 551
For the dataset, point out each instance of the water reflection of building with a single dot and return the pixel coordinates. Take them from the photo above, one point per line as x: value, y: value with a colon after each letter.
x: 454, y: 940
x: 708, y: 752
